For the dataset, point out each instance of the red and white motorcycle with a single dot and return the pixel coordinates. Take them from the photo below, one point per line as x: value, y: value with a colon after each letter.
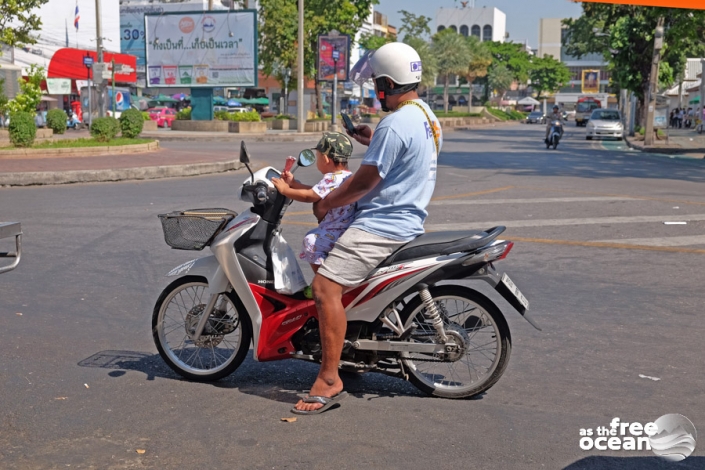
x: 408, y: 319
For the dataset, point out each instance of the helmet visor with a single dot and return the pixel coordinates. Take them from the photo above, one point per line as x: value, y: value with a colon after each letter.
x: 361, y: 72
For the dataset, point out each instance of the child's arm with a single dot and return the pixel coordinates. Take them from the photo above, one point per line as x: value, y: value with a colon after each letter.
x: 289, y: 179
x: 304, y: 194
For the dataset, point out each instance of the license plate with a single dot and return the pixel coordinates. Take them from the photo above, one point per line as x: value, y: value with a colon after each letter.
x: 515, y: 290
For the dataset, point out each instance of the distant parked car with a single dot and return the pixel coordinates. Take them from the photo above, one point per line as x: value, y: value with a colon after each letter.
x: 163, y: 116
x: 237, y: 110
x: 535, y: 117
x: 605, y: 123
x: 220, y: 108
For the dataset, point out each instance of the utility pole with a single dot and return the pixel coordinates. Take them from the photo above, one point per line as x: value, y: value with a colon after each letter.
x: 336, y: 57
x: 653, y: 83
x: 301, y: 121
x: 99, y: 50
x: 702, y: 89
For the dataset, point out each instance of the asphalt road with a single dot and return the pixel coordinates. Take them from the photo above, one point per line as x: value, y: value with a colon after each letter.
x: 618, y: 293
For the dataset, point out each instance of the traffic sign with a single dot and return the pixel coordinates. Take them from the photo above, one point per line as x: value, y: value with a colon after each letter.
x: 336, y: 55
x: 88, y: 61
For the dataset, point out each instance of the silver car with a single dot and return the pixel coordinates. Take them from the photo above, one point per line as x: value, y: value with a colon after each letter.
x: 605, y: 123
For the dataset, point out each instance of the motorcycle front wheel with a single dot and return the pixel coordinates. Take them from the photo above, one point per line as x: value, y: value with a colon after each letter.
x: 225, y: 340
x: 471, y: 319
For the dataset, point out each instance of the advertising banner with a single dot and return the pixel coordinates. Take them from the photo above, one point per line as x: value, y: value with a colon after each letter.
x: 330, y: 46
x: 207, y: 49
x: 591, y: 81
x: 692, y: 4
x: 59, y: 86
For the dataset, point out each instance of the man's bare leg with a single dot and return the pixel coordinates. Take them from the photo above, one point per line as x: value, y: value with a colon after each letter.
x: 332, y: 325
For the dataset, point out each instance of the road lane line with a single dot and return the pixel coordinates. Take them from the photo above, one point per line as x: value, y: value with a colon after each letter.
x: 620, y: 246
x: 661, y: 241
x: 643, y: 198
x: 476, y: 193
x: 563, y: 222
x: 530, y: 201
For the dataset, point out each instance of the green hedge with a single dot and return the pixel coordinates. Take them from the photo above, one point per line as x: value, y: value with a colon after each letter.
x: 250, y: 116
x: 56, y: 120
x: 184, y: 114
x: 145, y: 116
x: 131, y: 123
x: 22, y: 129
x: 105, y: 129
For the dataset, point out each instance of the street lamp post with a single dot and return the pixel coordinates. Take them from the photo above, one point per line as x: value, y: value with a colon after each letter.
x: 287, y: 76
x: 336, y: 57
x: 653, y: 83
x: 88, y: 62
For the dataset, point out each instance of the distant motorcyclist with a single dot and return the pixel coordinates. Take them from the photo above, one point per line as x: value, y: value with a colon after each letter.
x: 553, y: 117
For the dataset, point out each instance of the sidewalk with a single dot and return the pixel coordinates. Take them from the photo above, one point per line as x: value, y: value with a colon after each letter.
x: 678, y: 141
x: 164, y: 163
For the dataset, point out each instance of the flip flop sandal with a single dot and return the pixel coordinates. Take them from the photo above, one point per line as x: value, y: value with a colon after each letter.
x: 327, y: 402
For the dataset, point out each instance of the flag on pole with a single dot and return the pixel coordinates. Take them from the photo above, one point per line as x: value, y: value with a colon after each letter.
x: 76, y: 17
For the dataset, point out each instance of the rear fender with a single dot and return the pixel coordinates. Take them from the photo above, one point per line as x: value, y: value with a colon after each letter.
x: 488, y: 275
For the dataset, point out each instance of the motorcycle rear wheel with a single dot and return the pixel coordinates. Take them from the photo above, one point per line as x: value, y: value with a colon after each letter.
x: 488, y: 344
x: 214, y: 355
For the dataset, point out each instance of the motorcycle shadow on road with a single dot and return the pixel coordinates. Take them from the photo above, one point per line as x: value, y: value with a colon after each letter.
x: 635, y: 463
x: 281, y: 381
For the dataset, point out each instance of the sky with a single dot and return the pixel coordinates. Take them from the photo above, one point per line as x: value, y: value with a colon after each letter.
x: 522, y: 15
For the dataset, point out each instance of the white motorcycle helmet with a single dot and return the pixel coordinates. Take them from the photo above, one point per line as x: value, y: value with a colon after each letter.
x: 397, y: 61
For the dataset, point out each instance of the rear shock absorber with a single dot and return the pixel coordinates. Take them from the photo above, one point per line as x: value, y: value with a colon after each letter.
x: 431, y: 313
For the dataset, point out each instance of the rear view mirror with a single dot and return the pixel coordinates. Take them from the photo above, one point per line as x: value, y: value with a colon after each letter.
x: 307, y: 157
x: 244, y: 156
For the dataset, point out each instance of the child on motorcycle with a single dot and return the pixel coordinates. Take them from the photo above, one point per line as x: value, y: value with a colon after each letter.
x: 332, y: 152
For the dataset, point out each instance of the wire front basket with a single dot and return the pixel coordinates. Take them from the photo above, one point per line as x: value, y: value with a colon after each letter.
x: 194, y: 229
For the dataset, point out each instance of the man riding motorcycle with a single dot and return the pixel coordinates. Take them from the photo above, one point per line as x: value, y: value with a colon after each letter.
x: 555, y: 116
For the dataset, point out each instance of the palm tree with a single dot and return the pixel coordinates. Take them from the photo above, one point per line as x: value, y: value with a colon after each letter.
x: 480, y: 61
x: 451, y: 52
x: 500, y: 78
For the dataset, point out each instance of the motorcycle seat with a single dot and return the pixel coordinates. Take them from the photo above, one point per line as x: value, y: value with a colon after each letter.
x: 442, y: 243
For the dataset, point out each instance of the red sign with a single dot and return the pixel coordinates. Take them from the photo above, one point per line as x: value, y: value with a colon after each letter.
x: 691, y: 4
x: 68, y: 63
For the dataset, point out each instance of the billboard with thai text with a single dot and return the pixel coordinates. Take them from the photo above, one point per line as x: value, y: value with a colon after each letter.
x: 201, y: 49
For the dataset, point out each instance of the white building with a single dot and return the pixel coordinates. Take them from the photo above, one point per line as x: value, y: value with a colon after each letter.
x: 486, y: 23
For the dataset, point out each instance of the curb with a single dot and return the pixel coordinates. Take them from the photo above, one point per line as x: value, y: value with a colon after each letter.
x: 665, y: 151
x: 123, y: 174
x: 79, y: 152
x: 235, y: 137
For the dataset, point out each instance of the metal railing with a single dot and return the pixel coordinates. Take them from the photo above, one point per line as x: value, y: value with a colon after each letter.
x: 7, y: 230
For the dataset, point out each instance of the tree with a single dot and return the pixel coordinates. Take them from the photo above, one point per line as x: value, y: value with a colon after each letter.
x: 30, y: 91
x: 278, y: 30
x: 548, y: 74
x: 414, y: 26
x: 451, y: 52
x: 500, y: 78
x: 629, y: 44
x: 479, y: 63
x: 17, y: 22
x: 513, y: 56
x: 372, y: 42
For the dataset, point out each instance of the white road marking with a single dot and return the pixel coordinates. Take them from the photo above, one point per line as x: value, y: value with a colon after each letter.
x: 639, y: 219
x: 661, y: 241
x: 452, y: 202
